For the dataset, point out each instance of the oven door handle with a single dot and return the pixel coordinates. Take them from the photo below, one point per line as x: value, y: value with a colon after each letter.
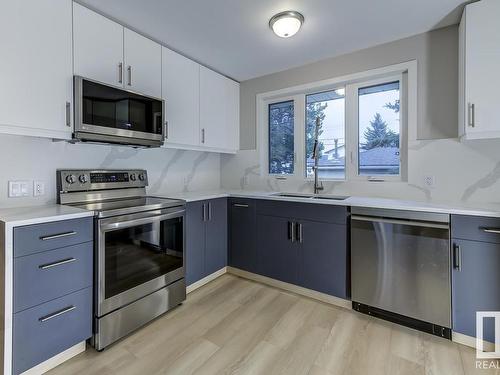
x: 140, y: 221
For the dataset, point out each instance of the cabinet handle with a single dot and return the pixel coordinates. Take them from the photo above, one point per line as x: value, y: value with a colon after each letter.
x: 59, y: 235
x: 209, y: 211
x: 58, y: 263
x: 57, y: 313
x: 291, y: 231
x: 68, y: 114
x: 204, y: 212
x: 457, y: 257
x: 299, y: 232
x: 491, y: 230
x: 472, y: 115
x: 240, y: 205
x: 202, y: 135
x: 129, y: 70
x: 166, y: 129
x: 120, y: 72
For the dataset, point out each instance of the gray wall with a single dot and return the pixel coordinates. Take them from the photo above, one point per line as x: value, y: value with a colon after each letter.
x: 437, y: 56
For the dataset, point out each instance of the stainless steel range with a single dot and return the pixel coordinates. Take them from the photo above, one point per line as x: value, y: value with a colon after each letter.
x: 139, y: 248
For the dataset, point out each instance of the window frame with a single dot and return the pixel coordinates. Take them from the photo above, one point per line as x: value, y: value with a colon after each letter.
x: 408, y: 78
x: 352, y: 130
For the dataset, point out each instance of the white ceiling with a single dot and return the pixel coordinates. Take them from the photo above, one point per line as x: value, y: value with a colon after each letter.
x: 233, y: 37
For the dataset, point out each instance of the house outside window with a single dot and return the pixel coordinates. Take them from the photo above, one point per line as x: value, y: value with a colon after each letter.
x: 361, y: 135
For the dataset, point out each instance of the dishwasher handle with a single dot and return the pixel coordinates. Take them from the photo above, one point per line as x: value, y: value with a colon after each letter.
x: 426, y: 224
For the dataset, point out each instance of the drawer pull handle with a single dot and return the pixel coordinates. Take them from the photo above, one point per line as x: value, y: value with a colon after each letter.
x: 55, y: 236
x: 491, y: 230
x: 56, y: 314
x: 240, y: 205
x: 55, y: 264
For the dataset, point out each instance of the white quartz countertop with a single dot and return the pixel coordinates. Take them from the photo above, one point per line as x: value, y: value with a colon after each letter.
x: 490, y: 210
x: 41, y: 214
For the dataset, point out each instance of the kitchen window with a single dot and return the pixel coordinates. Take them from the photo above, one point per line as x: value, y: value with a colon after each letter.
x: 362, y: 130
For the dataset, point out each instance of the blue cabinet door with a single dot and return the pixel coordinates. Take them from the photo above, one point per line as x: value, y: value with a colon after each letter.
x: 195, y: 241
x: 323, y: 258
x: 476, y: 285
x: 243, y: 234
x: 215, y: 235
x: 277, y: 255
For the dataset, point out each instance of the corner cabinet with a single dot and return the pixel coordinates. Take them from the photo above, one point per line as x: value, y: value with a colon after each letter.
x: 206, y: 238
x: 479, y: 77
x: 298, y: 243
x: 36, y: 95
x: 219, y: 111
x: 110, y: 53
x: 202, y: 106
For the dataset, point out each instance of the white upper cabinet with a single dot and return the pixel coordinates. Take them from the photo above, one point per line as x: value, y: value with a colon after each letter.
x: 142, y: 64
x: 98, y: 47
x: 479, y: 70
x: 218, y: 111
x: 107, y: 52
x: 36, y: 95
x: 181, y: 92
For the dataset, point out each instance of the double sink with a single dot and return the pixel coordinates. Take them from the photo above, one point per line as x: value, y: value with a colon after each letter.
x: 311, y: 196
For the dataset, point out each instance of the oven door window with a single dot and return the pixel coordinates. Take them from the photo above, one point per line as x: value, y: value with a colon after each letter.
x: 142, y: 253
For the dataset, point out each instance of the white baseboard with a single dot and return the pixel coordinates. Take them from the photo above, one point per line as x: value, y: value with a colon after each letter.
x: 470, y: 341
x: 56, y: 360
x: 206, y: 280
x: 340, y: 302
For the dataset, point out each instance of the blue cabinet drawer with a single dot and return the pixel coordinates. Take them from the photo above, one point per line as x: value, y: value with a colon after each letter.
x: 36, y: 238
x: 46, y: 330
x: 307, y: 211
x: 41, y: 277
x: 475, y: 228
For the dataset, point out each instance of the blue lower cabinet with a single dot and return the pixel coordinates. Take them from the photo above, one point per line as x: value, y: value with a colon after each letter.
x: 206, y: 238
x: 277, y: 252
x: 44, y: 276
x: 195, y: 241
x: 243, y: 234
x: 45, y: 330
x: 475, y: 285
x: 323, y: 258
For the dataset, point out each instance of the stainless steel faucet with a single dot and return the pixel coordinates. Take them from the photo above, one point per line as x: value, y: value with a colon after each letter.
x: 318, y: 185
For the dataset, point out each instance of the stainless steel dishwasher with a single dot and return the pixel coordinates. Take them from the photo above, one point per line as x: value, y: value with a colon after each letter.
x: 400, y: 267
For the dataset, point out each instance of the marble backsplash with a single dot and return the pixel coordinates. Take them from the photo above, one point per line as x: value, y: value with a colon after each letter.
x: 464, y: 172
x: 169, y: 171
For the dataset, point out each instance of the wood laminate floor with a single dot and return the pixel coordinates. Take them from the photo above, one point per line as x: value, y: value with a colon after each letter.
x: 236, y: 326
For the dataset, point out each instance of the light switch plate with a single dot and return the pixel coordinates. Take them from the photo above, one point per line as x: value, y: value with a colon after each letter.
x: 19, y: 189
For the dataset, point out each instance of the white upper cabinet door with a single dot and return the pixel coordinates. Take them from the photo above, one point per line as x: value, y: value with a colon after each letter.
x: 36, y: 68
x: 482, y: 74
x: 213, y: 104
x: 181, y: 92
x: 142, y: 64
x: 98, y: 47
x: 233, y: 114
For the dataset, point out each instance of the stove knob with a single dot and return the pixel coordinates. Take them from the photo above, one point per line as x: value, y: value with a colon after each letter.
x: 142, y: 177
x: 71, y: 179
x: 83, y: 178
x: 133, y: 177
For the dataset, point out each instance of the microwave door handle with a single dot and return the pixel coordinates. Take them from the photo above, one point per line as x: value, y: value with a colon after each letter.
x: 134, y: 222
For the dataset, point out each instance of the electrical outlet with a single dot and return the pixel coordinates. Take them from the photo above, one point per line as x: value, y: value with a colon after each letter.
x: 430, y: 181
x: 19, y: 189
x: 38, y: 188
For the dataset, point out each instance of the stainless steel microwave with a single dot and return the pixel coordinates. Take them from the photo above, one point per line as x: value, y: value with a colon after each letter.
x: 109, y: 114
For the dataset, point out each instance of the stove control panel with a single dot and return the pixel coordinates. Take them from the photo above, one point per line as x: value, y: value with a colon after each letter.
x: 72, y: 180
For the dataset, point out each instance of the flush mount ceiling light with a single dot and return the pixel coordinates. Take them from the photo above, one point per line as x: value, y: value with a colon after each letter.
x: 286, y: 24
